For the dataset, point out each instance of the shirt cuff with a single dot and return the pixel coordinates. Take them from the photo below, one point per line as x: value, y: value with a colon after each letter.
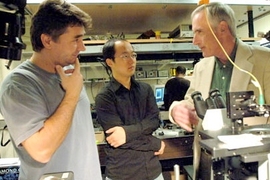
x: 170, y: 110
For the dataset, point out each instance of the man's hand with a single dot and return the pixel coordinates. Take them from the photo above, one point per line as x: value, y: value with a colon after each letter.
x: 161, y: 150
x: 184, y: 116
x: 117, y: 137
x: 72, y: 83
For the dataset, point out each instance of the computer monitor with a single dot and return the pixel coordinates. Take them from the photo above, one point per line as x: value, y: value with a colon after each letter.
x: 159, y: 94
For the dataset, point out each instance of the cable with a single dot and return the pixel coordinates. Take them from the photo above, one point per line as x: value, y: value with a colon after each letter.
x: 256, y: 83
x: 103, y: 63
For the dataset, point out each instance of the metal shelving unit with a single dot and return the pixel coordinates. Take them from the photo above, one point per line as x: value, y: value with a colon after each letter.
x: 152, y: 49
x: 148, y: 49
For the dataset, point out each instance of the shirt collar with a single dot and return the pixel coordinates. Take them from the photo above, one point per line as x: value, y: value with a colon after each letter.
x: 232, y: 56
x: 116, y: 85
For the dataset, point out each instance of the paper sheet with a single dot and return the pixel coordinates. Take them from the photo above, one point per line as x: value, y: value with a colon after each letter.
x: 9, y: 161
x: 241, y: 141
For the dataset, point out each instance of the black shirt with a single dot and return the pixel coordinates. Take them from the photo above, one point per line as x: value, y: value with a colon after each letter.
x: 175, y: 90
x: 136, y: 111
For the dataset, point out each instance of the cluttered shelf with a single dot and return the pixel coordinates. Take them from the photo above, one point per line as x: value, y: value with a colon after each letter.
x: 172, y: 40
x: 147, y: 49
x: 139, y: 41
x: 155, y: 49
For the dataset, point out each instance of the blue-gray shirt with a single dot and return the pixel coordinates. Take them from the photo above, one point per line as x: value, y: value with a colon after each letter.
x: 30, y: 95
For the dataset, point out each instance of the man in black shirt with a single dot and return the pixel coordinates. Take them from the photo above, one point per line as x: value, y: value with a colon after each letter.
x: 176, y: 88
x: 128, y: 113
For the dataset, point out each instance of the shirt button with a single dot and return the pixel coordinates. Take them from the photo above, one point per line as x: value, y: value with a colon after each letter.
x: 223, y: 78
x: 224, y: 66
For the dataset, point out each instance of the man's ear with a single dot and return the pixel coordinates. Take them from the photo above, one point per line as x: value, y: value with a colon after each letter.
x: 223, y: 26
x: 46, y: 40
x: 109, y: 62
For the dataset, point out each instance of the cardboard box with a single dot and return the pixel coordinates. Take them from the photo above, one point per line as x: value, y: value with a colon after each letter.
x: 9, y: 168
x: 181, y: 176
x: 100, y: 137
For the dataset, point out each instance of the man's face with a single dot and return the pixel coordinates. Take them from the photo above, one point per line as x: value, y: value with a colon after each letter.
x: 203, y: 37
x: 67, y: 48
x: 124, y: 63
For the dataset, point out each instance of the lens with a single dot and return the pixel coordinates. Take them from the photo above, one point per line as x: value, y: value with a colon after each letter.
x: 218, y: 99
x: 199, y: 104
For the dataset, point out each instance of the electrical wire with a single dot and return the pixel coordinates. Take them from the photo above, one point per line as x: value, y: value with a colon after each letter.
x: 256, y: 83
x: 103, y: 63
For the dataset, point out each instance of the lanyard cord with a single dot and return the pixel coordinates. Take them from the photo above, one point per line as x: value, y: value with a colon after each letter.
x: 255, y: 82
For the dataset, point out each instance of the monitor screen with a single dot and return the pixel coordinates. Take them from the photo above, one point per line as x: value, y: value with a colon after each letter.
x: 159, y: 94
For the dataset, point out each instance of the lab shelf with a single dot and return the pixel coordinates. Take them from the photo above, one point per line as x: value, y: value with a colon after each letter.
x: 147, y: 49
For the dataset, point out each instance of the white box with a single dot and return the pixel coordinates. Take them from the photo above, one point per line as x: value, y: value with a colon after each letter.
x: 163, y: 73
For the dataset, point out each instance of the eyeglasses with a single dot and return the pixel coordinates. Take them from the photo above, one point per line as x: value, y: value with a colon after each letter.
x: 127, y: 56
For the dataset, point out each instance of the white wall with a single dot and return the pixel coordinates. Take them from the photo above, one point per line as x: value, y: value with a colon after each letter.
x: 260, y: 25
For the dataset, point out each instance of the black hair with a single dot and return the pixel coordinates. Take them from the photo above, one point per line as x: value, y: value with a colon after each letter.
x: 180, y: 70
x: 108, y: 52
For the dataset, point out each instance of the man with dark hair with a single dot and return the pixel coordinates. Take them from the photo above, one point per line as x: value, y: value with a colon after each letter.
x: 128, y: 113
x: 46, y: 109
x: 176, y: 88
